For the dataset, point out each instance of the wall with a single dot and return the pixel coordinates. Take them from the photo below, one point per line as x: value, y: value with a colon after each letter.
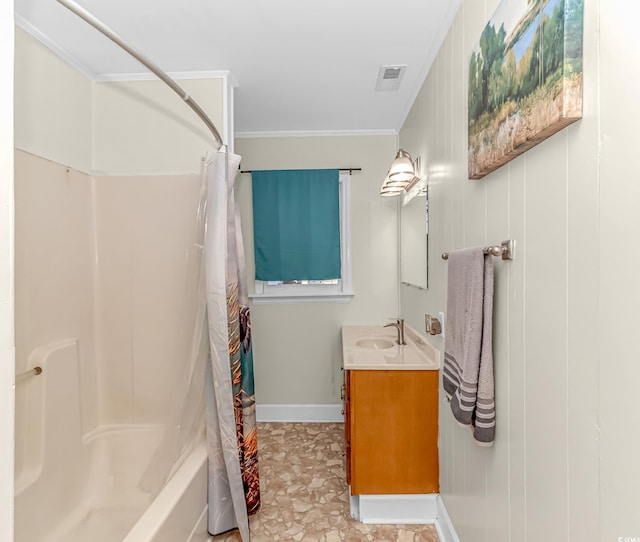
x: 143, y: 127
x: 6, y: 272
x: 618, y: 260
x: 121, y: 127
x: 145, y: 291
x: 55, y: 259
x: 104, y: 253
x: 53, y: 106
x: 298, y: 348
x: 564, y: 464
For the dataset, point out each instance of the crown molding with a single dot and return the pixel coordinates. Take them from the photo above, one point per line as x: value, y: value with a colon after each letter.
x: 316, y: 133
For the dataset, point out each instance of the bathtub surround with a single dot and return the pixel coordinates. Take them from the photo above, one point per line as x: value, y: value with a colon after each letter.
x: 107, y: 260
x: 102, y: 499
x: 122, y: 384
x: 234, y: 485
x: 467, y: 376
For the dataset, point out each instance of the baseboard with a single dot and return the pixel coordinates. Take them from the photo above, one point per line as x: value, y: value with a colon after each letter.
x: 444, y: 526
x: 395, y: 509
x: 404, y: 509
x: 299, y: 413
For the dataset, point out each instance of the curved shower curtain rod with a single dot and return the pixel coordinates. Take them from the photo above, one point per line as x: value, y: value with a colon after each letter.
x: 104, y: 29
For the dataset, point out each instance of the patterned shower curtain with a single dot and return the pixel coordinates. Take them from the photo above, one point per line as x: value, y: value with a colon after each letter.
x: 234, y: 485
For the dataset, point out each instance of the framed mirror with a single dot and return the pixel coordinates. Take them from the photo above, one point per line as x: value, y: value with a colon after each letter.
x: 414, y: 236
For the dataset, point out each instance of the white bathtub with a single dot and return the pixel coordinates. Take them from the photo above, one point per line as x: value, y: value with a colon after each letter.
x: 75, y: 488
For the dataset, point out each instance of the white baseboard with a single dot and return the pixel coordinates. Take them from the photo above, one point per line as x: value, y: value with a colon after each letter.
x: 397, y: 509
x: 299, y: 413
x: 444, y: 526
x: 404, y: 509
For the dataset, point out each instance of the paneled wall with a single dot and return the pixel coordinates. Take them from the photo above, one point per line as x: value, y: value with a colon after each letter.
x: 562, y: 467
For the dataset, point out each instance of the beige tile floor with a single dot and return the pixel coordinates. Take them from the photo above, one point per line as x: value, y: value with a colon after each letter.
x: 304, y: 493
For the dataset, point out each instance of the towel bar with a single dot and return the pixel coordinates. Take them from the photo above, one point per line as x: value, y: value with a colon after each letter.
x: 505, y: 249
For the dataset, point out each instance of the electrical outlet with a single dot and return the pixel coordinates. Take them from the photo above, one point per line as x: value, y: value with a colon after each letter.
x: 441, y: 318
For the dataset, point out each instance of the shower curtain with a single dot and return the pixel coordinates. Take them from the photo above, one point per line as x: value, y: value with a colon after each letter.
x: 234, y: 485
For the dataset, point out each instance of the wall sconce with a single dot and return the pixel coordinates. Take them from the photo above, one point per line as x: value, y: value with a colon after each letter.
x: 402, y: 176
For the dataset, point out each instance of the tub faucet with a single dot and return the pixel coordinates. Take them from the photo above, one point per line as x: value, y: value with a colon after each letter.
x: 399, y: 325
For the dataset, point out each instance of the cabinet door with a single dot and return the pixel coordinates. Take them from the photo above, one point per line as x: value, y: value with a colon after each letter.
x: 394, y: 432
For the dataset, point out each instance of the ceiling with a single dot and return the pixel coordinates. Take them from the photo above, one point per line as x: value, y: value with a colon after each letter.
x: 300, y: 65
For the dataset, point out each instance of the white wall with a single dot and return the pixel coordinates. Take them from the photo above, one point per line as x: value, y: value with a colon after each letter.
x: 119, y: 128
x: 6, y: 271
x: 618, y: 261
x: 564, y: 465
x: 53, y: 106
x: 143, y: 127
x: 145, y: 290
x: 298, y: 348
x: 55, y: 260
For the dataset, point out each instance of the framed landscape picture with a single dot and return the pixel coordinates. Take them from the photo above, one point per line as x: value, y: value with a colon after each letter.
x: 525, y: 79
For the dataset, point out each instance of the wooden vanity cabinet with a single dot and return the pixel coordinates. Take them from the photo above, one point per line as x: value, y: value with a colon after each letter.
x: 391, y: 431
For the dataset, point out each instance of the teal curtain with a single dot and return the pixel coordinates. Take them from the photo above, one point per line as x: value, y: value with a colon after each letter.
x: 296, y: 224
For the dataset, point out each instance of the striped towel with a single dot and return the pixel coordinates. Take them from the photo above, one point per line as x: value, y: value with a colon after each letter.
x: 468, y: 356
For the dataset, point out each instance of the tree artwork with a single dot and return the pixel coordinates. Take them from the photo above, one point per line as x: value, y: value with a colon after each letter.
x: 525, y: 79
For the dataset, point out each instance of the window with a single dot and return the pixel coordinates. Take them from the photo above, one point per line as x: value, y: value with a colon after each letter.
x: 330, y: 290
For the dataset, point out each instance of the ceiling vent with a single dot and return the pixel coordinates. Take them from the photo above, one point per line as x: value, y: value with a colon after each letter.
x: 389, y: 77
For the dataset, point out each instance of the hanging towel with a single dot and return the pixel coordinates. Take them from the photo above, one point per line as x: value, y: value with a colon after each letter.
x: 468, y: 356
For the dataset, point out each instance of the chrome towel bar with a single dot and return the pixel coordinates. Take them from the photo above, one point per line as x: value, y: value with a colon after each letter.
x: 505, y: 249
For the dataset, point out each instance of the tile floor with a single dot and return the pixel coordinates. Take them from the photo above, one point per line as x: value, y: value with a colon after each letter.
x: 304, y: 493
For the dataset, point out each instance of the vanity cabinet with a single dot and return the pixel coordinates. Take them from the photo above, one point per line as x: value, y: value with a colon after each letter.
x: 391, y: 431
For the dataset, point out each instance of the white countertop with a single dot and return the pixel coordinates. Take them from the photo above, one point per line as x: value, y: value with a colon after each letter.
x: 375, y: 347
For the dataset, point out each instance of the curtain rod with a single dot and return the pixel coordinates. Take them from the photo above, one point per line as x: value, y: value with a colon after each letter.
x: 104, y: 29
x: 349, y: 169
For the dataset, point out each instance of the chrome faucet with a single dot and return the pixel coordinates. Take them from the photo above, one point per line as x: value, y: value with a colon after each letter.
x: 399, y: 325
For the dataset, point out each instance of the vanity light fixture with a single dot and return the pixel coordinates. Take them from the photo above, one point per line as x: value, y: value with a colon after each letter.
x: 402, y: 167
x: 402, y: 176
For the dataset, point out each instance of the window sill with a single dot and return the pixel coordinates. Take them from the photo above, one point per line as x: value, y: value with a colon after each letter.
x: 271, y: 299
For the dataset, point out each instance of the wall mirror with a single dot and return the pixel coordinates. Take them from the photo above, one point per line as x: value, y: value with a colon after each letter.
x: 414, y: 236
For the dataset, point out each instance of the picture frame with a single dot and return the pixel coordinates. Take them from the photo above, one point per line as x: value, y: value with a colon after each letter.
x: 525, y: 80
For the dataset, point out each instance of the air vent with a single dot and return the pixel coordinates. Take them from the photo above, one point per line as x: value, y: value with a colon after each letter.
x: 389, y: 77
x: 391, y: 73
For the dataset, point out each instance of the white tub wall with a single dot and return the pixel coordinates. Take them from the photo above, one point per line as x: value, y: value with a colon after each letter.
x: 55, y: 258
x: 142, y: 285
x: 54, y: 238
x: 6, y: 272
x: 116, y: 128
x: 564, y: 465
x: 297, y: 348
x: 57, y: 459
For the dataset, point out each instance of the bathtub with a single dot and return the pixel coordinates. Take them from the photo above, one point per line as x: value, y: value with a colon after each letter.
x: 71, y: 487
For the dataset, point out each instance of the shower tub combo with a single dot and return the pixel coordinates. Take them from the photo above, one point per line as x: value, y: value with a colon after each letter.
x: 72, y: 487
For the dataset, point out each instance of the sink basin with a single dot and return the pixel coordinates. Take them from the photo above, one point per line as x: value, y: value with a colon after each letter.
x: 375, y: 344
x: 374, y: 347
